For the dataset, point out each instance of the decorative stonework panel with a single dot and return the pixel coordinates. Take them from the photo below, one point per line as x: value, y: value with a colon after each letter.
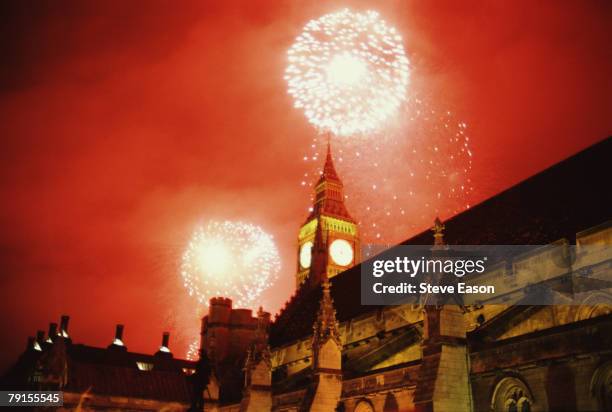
x: 511, y: 395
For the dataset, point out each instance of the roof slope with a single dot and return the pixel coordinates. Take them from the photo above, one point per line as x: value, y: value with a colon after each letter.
x: 114, y: 372
x: 556, y: 203
x: 110, y: 371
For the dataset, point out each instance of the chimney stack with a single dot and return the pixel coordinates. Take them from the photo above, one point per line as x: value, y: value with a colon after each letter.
x: 52, y: 332
x: 38, y: 342
x: 117, y: 343
x: 164, y: 348
x: 118, y: 335
x: 166, y: 340
x: 119, y: 332
x: 64, y: 326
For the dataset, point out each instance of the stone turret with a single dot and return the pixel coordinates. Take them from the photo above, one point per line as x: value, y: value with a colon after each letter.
x: 228, y: 336
x: 215, y: 329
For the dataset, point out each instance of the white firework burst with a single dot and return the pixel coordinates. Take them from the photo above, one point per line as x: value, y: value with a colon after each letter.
x: 348, y: 72
x: 230, y: 259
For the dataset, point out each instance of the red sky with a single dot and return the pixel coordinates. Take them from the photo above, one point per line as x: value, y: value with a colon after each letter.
x: 125, y: 123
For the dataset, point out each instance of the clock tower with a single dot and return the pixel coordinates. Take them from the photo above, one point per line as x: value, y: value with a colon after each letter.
x: 328, y: 242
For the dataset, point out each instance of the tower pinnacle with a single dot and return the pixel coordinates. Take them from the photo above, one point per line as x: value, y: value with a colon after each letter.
x: 329, y: 171
x: 326, y: 325
x: 438, y: 230
x: 329, y: 192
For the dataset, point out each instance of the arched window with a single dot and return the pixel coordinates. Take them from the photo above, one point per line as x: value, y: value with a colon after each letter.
x: 511, y: 394
x: 601, y: 386
x: 596, y: 304
x: 364, y: 406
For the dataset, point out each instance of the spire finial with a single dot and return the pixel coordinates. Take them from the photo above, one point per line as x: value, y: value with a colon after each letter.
x: 438, y: 229
x: 326, y: 325
x: 329, y: 160
x: 329, y: 170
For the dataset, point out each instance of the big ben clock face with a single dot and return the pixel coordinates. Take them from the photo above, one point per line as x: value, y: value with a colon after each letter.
x: 341, y: 252
x: 306, y: 255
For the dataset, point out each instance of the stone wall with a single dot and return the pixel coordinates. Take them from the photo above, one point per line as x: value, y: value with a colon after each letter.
x: 358, y: 336
x: 562, y: 368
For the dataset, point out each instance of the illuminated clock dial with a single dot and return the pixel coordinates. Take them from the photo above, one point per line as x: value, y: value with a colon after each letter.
x: 306, y: 255
x: 341, y: 252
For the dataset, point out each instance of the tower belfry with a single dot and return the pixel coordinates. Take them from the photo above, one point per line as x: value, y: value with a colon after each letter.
x: 328, y: 242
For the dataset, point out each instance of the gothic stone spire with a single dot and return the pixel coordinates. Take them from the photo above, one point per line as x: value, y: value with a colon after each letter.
x: 326, y: 388
x: 326, y: 325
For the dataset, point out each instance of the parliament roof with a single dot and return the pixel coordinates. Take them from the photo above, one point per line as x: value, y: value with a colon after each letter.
x: 567, y: 198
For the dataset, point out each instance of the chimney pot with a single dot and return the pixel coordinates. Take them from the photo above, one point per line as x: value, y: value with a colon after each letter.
x: 64, y: 326
x: 164, y: 349
x: 119, y: 332
x: 117, y: 342
x: 38, y: 341
x: 52, y: 331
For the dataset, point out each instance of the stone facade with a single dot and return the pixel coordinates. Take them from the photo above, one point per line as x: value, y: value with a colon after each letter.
x: 452, y: 357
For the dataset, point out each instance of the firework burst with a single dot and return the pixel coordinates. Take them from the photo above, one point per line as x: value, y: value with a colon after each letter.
x: 348, y: 72
x: 231, y: 259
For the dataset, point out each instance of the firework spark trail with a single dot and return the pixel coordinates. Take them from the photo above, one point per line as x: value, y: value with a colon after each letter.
x: 348, y: 72
x: 193, y: 352
x: 398, y: 181
x: 231, y: 259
